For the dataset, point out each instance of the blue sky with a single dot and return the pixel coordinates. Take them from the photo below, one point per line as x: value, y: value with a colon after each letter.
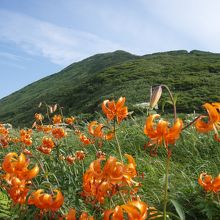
x: 41, y: 37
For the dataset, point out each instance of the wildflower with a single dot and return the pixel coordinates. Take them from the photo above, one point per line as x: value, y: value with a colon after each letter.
x: 70, y: 120
x: 3, y: 131
x: 208, y: 183
x: 96, y: 130
x: 25, y: 137
x: 46, y: 201
x: 58, y: 133
x: 44, y: 128
x: 18, y: 166
x: 57, y: 119
x: 39, y: 117
x: 136, y: 210
x: 162, y: 133
x: 70, y: 159
x: 27, y: 152
x: 99, y: 182
x: 155, y: 96
x: 72, y: 215
x: 100, y: 155
x: 80, y: 155
x: 213, y: 120
x: 115, y: 110
x: 18, y: 176
x: 47, y: 145
x: 84, y: 139
x: 18, y: 190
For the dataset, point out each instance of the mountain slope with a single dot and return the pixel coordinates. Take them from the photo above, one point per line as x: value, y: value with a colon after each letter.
x: 82, y: 86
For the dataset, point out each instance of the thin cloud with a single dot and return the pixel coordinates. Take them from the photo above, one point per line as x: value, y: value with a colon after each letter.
x: 59, y: 44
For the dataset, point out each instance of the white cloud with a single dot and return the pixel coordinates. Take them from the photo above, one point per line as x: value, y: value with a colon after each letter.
x: 59, y: 44
x: 193, y: 21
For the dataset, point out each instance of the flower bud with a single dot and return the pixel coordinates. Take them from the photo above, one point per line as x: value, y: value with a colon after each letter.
x: 155, y: 96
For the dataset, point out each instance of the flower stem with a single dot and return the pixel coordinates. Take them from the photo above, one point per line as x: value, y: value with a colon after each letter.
x: 166, y: 187
x: 116, y: 138
x: 172, y: 100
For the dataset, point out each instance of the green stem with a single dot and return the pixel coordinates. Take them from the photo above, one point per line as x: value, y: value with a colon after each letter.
x: 122, y: 197
x: 166, y: 187
x: 116, y: 138
x: 172, y: 100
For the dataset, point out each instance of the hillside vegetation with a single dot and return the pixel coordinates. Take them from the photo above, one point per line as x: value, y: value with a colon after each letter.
x: 82, y: 86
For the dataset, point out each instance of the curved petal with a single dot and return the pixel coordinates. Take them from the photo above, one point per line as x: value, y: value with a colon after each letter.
x: 91, y: 127
x: 31, y: 173
x: 213, y: 113
x: 120, y: 102
x: 149, y: 129
x: 202, y: 126
x: 7, y: 163
x: 71, y: 214
x: 216, y: 184
x: 174, y: 132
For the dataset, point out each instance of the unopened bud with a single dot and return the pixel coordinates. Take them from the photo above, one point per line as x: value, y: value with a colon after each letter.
x: 155, y: 96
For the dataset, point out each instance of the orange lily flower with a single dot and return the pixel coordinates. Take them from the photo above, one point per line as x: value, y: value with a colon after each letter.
x: 104, y: 182
x: 72, y: 215
x: 18, y: 190
x: 57, y: 119
x: 208, y: 183
x: 115, y: 110
x: 58, y: 133
x: 39, y: 117
x: 80, y: 155
x: 70, y: 159
x: 136, y: 210
x: 95, y: 129
x: 25, y: 137
x: 44, y: 128
x: 18, y: 166
x: 84, y: 139
x: 162, y: 133
x: 46, y: 201
x: 213, y: 122
x: 70, y: 120
x: 47, y: 145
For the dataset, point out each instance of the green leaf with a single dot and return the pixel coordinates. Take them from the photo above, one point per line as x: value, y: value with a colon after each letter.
x: 179, y: 209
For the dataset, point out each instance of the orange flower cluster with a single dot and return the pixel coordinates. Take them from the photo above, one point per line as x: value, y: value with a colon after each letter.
x: 208, y: 183
x: 59, y: 132
x: 100, y: 183
x: 45, y: 201
x: 4, y: 136
x: 135, y: 210
x: 79, y: 155
x: 44, y: 128
x: 96, y: 130
x: 115, y: 110
x: 25, y: 137
x: 47, y: 145
x: 18, y: 176
x: 162, y: 133
x: 213, y: 120
x: 72, y: 215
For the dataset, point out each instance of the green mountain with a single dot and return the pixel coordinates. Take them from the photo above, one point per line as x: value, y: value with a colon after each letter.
x: 82, y: 86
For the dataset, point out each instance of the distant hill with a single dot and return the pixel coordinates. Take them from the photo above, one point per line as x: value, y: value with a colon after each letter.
x: 82, y: 86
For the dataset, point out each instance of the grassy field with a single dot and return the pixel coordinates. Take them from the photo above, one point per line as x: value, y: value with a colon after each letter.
x: 192, y: 154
